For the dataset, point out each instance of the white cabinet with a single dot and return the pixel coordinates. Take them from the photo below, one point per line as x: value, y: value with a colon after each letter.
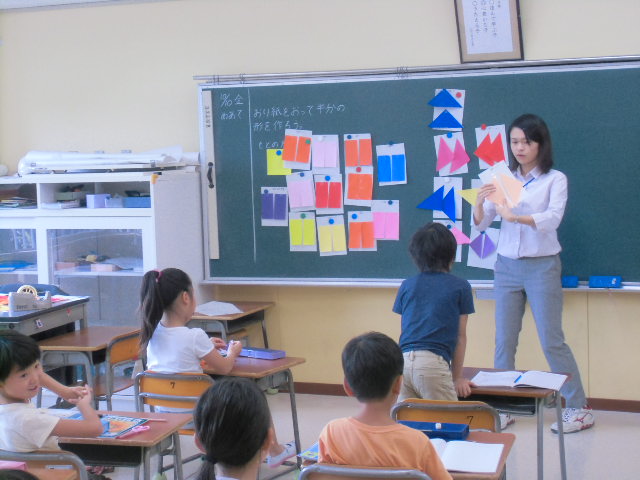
x: 102, y: 252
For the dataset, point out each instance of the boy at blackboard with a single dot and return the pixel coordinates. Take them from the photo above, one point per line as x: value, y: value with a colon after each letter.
x: 434, y: 306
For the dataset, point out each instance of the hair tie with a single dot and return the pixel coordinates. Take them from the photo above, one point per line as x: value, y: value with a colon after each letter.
x: 211, y: 459
x: 159, y: 275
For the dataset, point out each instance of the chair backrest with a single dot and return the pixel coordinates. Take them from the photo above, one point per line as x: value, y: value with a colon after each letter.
x: 123, y: 349
x: 322, y: 471
x: 478, y: 415
x: 173, y: 390
x: 58, y: 457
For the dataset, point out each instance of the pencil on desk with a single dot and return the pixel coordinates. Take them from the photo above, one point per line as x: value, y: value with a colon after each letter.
x: 154, y: 419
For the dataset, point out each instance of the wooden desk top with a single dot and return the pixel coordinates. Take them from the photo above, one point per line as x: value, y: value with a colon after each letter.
x: 523, y: 392
x: 507, y: 439
x: 88, y: 339
x: 6, y: 316
x: 158, y: 431
x: 259, y: 368
x: 247, y: 308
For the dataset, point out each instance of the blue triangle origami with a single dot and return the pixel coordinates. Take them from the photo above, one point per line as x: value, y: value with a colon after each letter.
x: 449, y: 205
x: 444, y: 99
x: 445, y: 120
x: 433, y: 201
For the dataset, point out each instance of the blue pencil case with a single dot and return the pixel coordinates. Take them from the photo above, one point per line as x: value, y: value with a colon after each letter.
x: 446, y: 431
x: 263, y: 353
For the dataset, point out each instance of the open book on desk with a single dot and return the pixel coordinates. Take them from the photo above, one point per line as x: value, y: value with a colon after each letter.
x: 473, y: 457
x: 531, y: 378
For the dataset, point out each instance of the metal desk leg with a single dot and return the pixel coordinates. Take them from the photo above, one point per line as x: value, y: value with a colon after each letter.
x: 177, y: 457
x: 539, y: 416
x: 146, y: 463
x: 264, y: 333
x: 294, y: 415
x: 563, y: 462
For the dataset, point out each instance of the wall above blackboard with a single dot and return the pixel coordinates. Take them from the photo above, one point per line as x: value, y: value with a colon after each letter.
x: 590, y: 106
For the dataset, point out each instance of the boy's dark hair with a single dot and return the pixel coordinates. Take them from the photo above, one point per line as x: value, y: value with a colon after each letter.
x: 433, y: 248
x: 537, y: 131
x: 158, y: 291
x: 232, y: 421
x: 371, y: 363
x: 16, y: 351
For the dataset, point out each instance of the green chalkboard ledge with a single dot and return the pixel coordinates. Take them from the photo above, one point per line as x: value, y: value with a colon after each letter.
x: 483, y: 288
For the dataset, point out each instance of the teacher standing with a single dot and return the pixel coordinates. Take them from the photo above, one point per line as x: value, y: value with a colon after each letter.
x: 528, y: 264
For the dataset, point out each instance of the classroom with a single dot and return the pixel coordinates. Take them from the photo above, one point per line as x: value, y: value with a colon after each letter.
x: 119, y: 75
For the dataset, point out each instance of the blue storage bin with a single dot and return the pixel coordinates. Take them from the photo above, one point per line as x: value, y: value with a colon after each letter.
x: 136, y: 202
x: 447, y: 431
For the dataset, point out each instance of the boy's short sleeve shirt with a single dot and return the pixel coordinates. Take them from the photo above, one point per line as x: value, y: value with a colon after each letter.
x: 347, y: 441
x: 431, y: 304
x: 25, y: 428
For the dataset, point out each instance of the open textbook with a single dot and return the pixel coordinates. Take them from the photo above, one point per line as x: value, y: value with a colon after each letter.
x: 531, y: 378
x: 463, y: 456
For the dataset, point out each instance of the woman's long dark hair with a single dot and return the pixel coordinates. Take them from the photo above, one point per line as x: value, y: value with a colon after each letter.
x: 537, y: 131
x: 159, y: 290
x: 232, y: 421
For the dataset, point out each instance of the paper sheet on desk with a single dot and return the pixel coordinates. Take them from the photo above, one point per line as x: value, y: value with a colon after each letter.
x: 217, y: 308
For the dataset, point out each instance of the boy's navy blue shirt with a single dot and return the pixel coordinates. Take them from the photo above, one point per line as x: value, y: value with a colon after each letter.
x: 431, y: 304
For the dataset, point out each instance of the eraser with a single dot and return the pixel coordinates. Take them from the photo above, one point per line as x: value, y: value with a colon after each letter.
x: 605, y: 281
x: 570, y: 281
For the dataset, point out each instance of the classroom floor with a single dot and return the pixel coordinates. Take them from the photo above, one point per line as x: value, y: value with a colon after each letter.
x: 609, y: 450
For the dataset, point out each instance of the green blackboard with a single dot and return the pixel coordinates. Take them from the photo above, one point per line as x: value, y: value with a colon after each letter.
x: 592, y: 111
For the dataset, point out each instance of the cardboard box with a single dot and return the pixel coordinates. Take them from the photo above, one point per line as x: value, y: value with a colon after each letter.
x: 104, y: 267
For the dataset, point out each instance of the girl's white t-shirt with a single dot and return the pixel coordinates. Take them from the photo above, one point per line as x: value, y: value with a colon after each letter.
x: 177, y: 349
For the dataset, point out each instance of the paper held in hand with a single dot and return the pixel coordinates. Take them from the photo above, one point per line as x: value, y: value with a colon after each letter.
x: 531, y: 378
x: 463, y: 456
x: 508, y: 188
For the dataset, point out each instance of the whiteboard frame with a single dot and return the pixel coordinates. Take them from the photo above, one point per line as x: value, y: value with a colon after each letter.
x: 212, y: 82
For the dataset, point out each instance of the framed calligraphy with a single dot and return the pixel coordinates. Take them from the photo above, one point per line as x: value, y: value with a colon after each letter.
x: 489, y: 30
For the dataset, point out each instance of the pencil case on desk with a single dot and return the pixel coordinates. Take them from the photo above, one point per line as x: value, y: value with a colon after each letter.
x: 263, y: 353
x: 446, y: 431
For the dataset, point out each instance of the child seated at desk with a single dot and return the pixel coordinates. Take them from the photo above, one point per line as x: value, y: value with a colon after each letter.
x: 23, y: 427
x: 372, y: 365
x: 233, y: 429
x: 167, y: 303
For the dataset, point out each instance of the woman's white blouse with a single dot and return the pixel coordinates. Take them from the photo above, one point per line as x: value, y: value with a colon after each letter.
x: 544, y: 197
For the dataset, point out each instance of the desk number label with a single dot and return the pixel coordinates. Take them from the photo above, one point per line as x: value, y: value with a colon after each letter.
x: 38, y: 323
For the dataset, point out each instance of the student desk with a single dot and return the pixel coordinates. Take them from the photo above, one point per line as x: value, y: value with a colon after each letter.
x: 134, y: 450
x: 271, y: 374
x: 252, y: 312
x: 60, y: 313
x: 77, y: 347
x: 522, y: 401
x: 506, y: 439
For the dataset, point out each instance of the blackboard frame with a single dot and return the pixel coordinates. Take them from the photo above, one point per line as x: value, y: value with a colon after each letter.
x: 207, y: 139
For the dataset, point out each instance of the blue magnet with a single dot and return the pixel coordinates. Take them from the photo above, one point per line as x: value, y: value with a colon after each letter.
x: 331, y: 221
x: 302, y: 174
x: 390, y: 202
x: 354, y: 216
x: 348, y: 137
x: 303, y: 215
x: 327, y: 178
x: 278, y: 152
x: 449, y: 135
